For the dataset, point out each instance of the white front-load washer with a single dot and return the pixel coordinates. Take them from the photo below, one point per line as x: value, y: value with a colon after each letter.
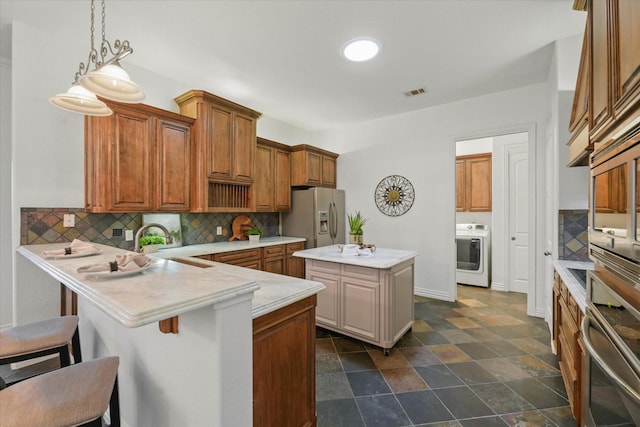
x: 473, y: 254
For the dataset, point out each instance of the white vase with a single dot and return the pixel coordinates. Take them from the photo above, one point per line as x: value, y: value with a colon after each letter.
x: 150, y: 249
x: 254, y: 238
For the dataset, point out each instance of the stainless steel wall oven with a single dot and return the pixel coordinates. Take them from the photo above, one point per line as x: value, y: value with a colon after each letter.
x: 611, y: 335
x: 611, y: 325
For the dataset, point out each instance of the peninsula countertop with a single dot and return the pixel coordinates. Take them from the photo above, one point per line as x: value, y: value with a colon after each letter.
x: 382, y: 258
x: 168, y: 288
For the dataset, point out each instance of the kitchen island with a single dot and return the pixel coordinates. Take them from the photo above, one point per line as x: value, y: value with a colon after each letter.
x: 369, y: 298
x: 202, y: 374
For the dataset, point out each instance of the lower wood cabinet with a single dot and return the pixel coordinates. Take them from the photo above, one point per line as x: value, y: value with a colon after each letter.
x: 249, y: 258
x: 294, y: 265
x: 277, y: 259
x: 569, y: 348
x: 284, y: 366
x: 274, y: 259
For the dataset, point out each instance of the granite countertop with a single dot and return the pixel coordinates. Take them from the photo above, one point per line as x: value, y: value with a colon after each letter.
x: 168, y: 288
x: 382, y: 258
x: 220, y: 247
x: 574, y: 285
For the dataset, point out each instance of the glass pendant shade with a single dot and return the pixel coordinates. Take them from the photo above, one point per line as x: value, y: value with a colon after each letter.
x: 112, y: 82
x: 79, y: 100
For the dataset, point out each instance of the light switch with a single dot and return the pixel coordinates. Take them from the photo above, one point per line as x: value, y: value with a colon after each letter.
x: 219, y: 230
x: 69, y: 220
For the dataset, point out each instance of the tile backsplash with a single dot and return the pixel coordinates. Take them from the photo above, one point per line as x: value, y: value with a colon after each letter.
x: 45, y: 225
x: 573, y: 243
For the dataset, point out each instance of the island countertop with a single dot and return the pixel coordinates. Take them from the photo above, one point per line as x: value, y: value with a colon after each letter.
x: 168, y: 288
x: 382, y: 258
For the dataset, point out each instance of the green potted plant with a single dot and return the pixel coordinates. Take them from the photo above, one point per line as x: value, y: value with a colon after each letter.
x: 356, y: 221
x: 254, y: 233
x: 151, y: 243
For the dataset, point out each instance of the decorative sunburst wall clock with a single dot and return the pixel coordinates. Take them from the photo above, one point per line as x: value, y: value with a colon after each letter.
x: 394, y: 195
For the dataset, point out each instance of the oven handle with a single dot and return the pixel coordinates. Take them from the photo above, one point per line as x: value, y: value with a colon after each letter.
x: 586, y: 324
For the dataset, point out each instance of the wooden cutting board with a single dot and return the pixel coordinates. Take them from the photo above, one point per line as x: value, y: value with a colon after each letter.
x: 239, y: 225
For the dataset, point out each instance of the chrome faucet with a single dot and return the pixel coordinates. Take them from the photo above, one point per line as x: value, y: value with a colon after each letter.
x: 167, y: 236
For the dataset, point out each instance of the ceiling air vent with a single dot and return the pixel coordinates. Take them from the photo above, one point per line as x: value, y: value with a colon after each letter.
x: 415, y: 92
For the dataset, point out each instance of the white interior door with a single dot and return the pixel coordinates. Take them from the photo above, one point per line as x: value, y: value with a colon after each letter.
x: 518, y: 218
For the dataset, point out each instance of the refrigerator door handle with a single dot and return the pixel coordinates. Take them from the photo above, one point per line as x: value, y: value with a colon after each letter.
x: 333, y: 220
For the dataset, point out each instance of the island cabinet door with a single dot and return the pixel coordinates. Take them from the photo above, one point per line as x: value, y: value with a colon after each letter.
x: 328, y: 309
x: 361, y: 308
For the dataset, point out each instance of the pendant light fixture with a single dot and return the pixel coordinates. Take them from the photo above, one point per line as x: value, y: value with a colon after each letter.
x: 108, y: 79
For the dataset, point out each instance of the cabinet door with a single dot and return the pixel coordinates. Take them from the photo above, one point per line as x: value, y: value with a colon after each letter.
x: 284, y: 366
x: 328, y: 309
x: 579, y: 109
x: 282, y: 184
x: 295, y: 265
x: 220, y: 150
x: 243, y: 145
x: 264, y: 183
x: 478, y: 182
x: 173, y: 142
x: 274, y: 259
x: 599, y: 77
x: 306, y: 168
x: 360, y: 313
x: 274, y: 265
x: 626, y: 33
x: 328, y: 172
x: 131, y: 162
x: 460, y: 186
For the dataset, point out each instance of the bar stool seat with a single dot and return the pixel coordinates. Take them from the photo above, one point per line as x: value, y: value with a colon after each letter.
x: 76, y: 395
x: 40, y: 339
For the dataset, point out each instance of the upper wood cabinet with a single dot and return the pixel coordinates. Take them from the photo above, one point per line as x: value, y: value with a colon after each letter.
x: 137, y: 160
x: 473, y: 183
x: 272, y: 185
x: 579, y: 144
x: 614, y: 68
x: 223, y: 155
x: 312, y: 167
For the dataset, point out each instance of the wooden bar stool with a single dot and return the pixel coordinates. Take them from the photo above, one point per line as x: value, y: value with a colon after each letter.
x: 42, y: 338
x: 76, y: 395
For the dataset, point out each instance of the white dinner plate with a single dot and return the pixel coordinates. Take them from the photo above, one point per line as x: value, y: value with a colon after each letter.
x: 116, y: 274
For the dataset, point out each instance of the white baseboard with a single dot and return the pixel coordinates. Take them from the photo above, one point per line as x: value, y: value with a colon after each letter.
x: 497, y: 286
x: 429, y: 293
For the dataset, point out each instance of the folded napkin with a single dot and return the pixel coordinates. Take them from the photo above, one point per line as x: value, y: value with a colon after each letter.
x: 365, y: 252
x: 128, y: 262
x: 350, y: 250
x: 76, y: 247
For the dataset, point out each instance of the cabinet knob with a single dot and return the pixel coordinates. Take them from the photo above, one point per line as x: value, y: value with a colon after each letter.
x: 513, y: 237
x: 547, y: 253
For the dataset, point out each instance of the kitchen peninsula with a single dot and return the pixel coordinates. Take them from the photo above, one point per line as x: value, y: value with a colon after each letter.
x: 367, y: 297
x: 202, y: 374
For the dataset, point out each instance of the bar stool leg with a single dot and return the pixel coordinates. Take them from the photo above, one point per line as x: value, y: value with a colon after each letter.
x: 75, y: 344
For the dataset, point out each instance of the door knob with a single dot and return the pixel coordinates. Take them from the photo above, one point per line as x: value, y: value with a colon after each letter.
x: 547, y: 253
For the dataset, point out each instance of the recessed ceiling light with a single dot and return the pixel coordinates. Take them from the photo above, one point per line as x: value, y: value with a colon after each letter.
x: 361, y: 49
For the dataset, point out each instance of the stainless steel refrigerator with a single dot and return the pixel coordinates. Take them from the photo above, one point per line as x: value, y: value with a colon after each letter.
x: 318, y: 215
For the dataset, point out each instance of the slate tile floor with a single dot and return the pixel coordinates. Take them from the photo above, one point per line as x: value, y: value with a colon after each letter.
x: 480, y: 361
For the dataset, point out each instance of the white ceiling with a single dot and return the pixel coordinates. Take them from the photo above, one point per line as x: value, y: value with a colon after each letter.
x: 282, y: 57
